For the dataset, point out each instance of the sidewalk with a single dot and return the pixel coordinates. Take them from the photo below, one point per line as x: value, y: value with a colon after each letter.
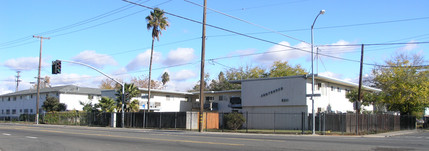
x: 394, y: 133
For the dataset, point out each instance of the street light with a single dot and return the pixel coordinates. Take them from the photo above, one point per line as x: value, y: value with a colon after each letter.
x: 312, y: 74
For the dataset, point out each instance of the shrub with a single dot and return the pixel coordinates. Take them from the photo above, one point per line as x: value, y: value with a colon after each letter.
x: 234, y: 120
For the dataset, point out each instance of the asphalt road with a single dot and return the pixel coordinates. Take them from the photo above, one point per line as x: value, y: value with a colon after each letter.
x: 15, y: 137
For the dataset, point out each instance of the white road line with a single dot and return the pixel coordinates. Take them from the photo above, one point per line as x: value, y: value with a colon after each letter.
x: 6, y: 134
x: 31, y: 137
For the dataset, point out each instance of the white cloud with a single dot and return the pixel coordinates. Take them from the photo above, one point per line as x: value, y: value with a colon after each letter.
x: 94, y: 59
x: 337, y: 50
x: 24, y: 63
x: 76, y: 79
x: 182, y: 75
x: 179, y: 56
x: 409, y: 46
x: 283, y: 53
x: 142, y: 60
x: 331, y: 75
x: 180, y: 85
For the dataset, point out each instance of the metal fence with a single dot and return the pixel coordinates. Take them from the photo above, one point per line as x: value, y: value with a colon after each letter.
x: 346, y: 123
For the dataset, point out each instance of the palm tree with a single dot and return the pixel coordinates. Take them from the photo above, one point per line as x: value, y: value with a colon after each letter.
x: 157, y: 22
x: 165, y: 78
x: 130, y: 91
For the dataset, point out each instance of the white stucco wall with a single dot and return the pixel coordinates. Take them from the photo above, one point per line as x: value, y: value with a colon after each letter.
x: 335, y: 97
x: 28, y: 102
x: 72, y: 100
x: 285, y: 92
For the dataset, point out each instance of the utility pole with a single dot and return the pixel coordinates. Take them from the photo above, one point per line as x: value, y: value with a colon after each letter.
x: 38, y: 77
x: 203, y: 51
x: 17, y: 80
x: 359, y: 91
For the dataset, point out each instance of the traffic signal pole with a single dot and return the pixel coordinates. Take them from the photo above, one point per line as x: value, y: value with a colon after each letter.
x: 38, y: 77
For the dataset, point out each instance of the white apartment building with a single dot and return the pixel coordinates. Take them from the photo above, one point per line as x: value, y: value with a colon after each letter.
x: 291, y: 94
x: 24, y: 102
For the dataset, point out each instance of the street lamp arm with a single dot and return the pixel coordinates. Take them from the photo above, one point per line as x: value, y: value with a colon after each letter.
x: 122, y: 84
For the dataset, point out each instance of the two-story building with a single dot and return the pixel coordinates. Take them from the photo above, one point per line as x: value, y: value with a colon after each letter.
x: 24, y: 102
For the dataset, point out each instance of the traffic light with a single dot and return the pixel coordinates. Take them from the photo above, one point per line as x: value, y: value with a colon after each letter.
x: 56, y: 67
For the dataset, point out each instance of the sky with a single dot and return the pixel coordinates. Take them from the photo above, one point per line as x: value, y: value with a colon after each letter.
x: 111, y: 35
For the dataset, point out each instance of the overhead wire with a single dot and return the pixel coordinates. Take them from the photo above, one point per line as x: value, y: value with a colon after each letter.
x: 248, y: 22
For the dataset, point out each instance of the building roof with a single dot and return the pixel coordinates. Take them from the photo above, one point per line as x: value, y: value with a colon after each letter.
x: 316, y: 77
x: 67, y: 89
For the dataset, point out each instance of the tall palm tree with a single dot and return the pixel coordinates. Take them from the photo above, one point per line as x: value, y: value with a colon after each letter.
x: 156, y: 22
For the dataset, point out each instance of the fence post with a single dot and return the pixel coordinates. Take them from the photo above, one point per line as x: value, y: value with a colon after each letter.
x: 302, y: 122
x: 144, y: 118
x: 324, y: 123
x: 206, y: 120
x: 175, y: 120
x: 247, y: 121
x: 160, y: 120
x: 223, y: 121
x: 274, y: 124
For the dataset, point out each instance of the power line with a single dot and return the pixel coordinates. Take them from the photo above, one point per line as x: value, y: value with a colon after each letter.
x: 79, y: 24
x: 378, y: 44
x: 242, y: 20
x: 336, y: 26
x: 89, y: 20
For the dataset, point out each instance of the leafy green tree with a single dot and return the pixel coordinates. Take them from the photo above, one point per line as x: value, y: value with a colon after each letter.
x: 405, y: 83
x: 283, y: 69
x: 130, y: 92
x: 52, y: 104
x: 107, y: 104
x: 368, y: 98
x: 206, y: 87
x: 156, y: 22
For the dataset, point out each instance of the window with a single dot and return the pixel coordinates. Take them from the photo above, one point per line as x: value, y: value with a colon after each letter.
x: 208, y: 98
x: 14, y: 111
x: 222, y: 98
x: 332, y: 88
x: 20, y: 97
x: 20, y: 110
x: 7, y: 112
x: 31, y: 96
x: 319, y: 85
x: 47, y: 94
x: 14, y: 98
x: 8, y: 98
x: 58, y: 94
x: 338, y: 89
x: 31, y: 110
x: 167, y: 97
x: 25, y: 111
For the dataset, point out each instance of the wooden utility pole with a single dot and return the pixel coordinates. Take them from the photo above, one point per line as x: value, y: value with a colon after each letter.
x: 200, y: 126
x: 359, y: 91
x: 38, y: 77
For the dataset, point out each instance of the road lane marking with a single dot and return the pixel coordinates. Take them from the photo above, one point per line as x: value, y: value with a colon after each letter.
x: 6, y: 134
x: 31, y: 137
x: 129, y: 137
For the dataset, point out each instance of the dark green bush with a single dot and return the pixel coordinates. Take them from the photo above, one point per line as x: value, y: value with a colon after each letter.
x: 234, y: 120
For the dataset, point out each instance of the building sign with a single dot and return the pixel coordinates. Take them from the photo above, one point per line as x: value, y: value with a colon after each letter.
x: 272, y: 92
